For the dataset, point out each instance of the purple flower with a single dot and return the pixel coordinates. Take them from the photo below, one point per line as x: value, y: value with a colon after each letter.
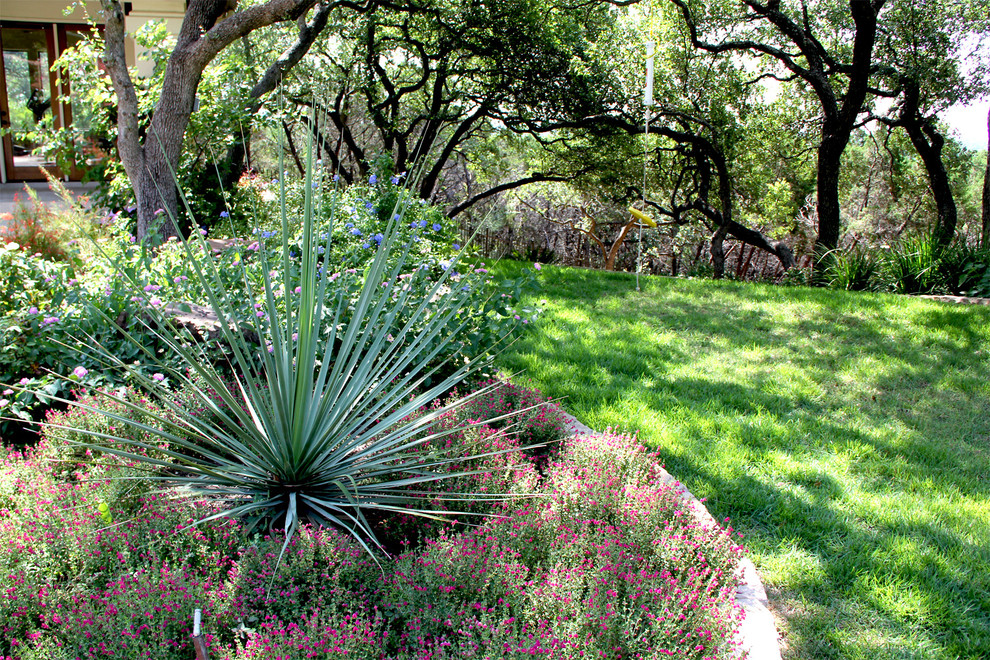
x: 224, y: 214
x: 80, y: 371
x: 48, y: 320
x: 537, y: 266
x: 373, y: 179
x: 152, y: 287
x: 356, y: 232
x: 456, y: 247
x: 158, y: 377
x: 422, y: 224
x: 436, y: 226
x: 32, y: 311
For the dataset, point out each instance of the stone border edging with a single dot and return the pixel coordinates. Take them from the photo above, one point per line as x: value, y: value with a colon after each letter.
x: 959, y: 300
x: 758, y: 637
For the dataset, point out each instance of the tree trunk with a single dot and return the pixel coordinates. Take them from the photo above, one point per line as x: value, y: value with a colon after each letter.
x: 829, y: 212
x: 718, y: 251
x: 152, y: 166
x: 928, y: 142
x: 158, y: 208
x: 985, y: 234
x: 614, y: 251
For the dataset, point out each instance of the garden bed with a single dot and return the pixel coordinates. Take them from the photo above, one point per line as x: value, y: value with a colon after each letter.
x: 598, y: 556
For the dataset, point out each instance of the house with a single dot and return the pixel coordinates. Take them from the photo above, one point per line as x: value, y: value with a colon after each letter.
x: 33, y: 34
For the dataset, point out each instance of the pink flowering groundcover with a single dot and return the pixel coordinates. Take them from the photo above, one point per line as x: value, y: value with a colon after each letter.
x: 594, y: 557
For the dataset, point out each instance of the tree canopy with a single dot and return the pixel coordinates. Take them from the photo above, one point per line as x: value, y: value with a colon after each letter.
x: 761, y: 106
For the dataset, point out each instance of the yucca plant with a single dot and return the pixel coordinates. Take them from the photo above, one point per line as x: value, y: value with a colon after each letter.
x: 314, y: 425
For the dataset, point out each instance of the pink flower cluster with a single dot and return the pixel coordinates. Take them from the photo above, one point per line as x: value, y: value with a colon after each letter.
x: 597, y: 558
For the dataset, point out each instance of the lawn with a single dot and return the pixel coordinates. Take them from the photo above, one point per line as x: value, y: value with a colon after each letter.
x: 847, y: 435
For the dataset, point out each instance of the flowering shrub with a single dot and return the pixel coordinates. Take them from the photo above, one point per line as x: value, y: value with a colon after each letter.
x: 542, y: 421
x: 323, y: 571
x: 361, y: 212
x: 29, y: 225
x: 604, y: 560
x: 95, y: 563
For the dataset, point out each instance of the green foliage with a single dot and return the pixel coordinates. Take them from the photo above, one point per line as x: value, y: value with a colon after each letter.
x: 856, y: 269
x: 913, y: 266
x: 307, y: 430
x: 964, y: 269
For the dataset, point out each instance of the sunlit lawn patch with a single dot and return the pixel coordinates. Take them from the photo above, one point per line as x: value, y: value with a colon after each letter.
x: 847, y: 435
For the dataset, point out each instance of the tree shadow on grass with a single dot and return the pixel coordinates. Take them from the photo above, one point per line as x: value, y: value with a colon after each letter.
x: 868, y: 579
x: 849, y: 412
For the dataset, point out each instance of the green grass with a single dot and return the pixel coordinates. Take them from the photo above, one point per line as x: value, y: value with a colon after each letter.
x: 846, y: 435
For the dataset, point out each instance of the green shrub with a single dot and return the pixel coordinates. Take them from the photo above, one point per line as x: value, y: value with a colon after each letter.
x: 919, y: 266
x: 912, y: 266
x: 857, y: 269
x: 965, y: 270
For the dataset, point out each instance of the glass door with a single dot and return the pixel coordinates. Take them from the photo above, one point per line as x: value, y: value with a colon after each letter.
x: 28, y: 97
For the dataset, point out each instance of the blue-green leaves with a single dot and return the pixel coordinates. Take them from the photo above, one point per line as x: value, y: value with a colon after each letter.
x: 309, y: 415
